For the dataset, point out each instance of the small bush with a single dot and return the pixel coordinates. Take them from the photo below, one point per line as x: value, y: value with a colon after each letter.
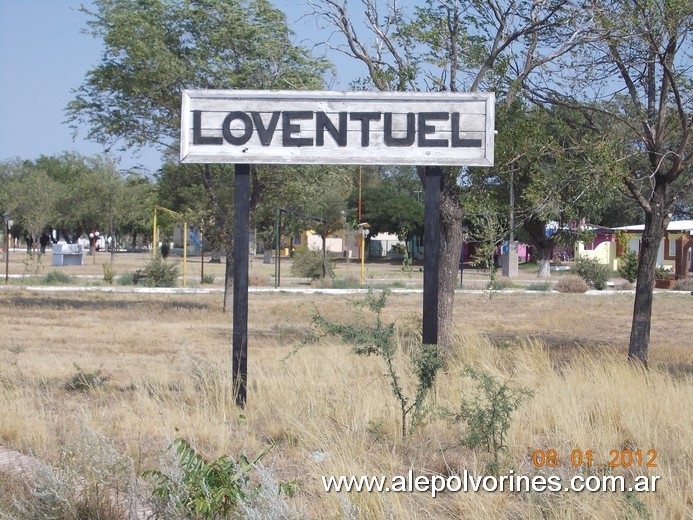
x: 540, y: 286
x: 346, y: 283
x: 592, y: 271
x: 108, y: 273
x: 85, y: 381
x: 425, y: 360
x: 498, y: 284
x: 308, y: 264
x: 57, y: 278
x: 208, y: 278
x: 488, y: 413
x: 203, y: 488
x: 126, y: 279
x: 160, y: 273
x: 662, y: 273
x: 684, y: 284
x: 398, y: 248
x: 572, y: 284
x: 628, y: 266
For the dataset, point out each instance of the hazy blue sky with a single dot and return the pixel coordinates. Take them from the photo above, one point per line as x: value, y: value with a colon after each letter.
x: 43, y: 56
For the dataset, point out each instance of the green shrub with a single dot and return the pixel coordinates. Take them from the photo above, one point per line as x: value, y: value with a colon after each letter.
x: 592, y: 271
x: 203, y: 488
x: 628, y: 266
x: 57, y: 278
x: 540, y: 286
x: 108, y: 273
x: 126, y: 279
x: 346, y: 283
x: 307, y: 263
x: 378, y: 341
x: 160, y: 273
x: 488, y: 413
x: 208, y: 278
x: 572, y: 284
x: 662, y: 273
x: 398, y: 248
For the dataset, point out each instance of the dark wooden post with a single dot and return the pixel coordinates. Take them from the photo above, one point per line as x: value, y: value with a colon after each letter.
x: 683, y: 244
x: 241, y: 230
x: 432, y: 180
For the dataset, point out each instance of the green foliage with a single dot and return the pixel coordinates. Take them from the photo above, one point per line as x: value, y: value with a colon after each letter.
x: 57, y: 278
x: 540, y: 286
x: 398, y: 248
x: 126, y: 279
x: 662, y: 273
x: 160, y: 273
x: 84, y: 381
x: 487, y: 415
x: 592, y: 271
x: 391, y: 203
x: 628, y: 266
x: 108, y: 273
x: 208, y: 279
x: 30, y: 196
x: 637, y: 509
x: 377, y: 340
x: 308, y: 263
x: 207, y: 488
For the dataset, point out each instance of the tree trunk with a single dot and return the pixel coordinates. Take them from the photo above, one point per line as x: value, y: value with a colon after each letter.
x: 228, y: 283
x: 656, y: 222
x: 544, y: 268
x: 544, y: 253
x: 451, y: 238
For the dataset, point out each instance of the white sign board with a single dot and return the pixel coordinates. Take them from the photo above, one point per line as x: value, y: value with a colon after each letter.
x: 309, y: 127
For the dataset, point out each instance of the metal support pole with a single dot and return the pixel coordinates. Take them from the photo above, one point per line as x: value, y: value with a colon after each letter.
x: 241, y: 232
x: 363, y: 256
x: 324, y: 249
x: 154, y: 244
x: 431, y: 254
x: 185, y: 254
x: 462, y: 265
x: 276, y: 248
x: 7, y: 249
x: 279, y: 254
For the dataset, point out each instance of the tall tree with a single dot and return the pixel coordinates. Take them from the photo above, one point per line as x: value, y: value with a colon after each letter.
x: 29, y: 196
x: 153, y: 49
x: 637, y: 72
x: 454, y: 46
x: 561, y: 170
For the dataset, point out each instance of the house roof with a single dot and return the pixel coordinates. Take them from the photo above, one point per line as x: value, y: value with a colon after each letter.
x: 674, y: 225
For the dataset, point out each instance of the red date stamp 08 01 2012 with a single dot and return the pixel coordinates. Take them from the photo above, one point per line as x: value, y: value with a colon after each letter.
x: 623, y: 458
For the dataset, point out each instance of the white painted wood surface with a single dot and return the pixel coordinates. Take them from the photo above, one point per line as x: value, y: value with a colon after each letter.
x: 434, y: 117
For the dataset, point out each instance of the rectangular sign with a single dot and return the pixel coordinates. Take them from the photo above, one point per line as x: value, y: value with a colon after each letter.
x: 316, y: 127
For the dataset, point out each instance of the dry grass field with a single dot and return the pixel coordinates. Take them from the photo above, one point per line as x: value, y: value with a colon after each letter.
x: 157, y: 367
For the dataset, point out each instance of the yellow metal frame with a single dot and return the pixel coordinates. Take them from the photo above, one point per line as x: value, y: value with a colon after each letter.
x: 176, y: 215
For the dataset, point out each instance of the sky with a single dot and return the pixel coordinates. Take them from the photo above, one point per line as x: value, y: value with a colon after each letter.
x: 44, y: 56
